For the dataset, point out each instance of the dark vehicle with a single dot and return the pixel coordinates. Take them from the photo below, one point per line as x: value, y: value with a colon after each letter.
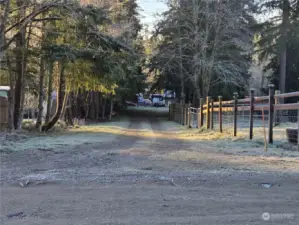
x: 158, y: 100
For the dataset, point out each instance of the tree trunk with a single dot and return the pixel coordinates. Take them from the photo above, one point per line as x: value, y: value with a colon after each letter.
x: 69, y: 116
x: 65, y: 105
x: 21, y: 62
x: 19, y: 87
x: 283, y: 51
x: 87, y: 104
x: 181, y: 69
x: 20, y: 46
x: 69, y: 110
x: 73, y: 104
x: 41, y: 82
x: 183, y: 98
x: 194, y: 102
x: 198, y: 95
x: 111, y: 108
x: 50, y: 89
x: 104, y: 108
x: 78, y: 105
x: 3, y: 21
x: 97, y: 105
x: 93, y: 105
x: 283, y: 65
x: 41, y: 93
x: 10, y: 96
x: 60, y: 99
x: 196, y: 69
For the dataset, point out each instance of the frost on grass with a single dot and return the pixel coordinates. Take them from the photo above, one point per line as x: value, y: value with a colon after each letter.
x: 212, y: 148
x: 207, y: 157
x: 148, y: 109
x: 240, y: 145
x: 83, y: 135
x: 47, y: 142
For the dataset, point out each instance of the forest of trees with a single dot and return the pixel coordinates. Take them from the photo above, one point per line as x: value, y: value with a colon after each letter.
x: 89, y: 51
x: 206, y: 47
x: 93, y: 53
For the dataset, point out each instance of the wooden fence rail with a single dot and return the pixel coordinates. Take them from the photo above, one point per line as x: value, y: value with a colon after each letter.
x: 269, y: 104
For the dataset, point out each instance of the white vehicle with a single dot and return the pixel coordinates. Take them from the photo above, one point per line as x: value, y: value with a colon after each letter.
x: 158, y: 100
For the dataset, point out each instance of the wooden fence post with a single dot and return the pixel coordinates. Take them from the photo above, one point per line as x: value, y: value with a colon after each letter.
x: 212, y: 113
x: 220, y: 114
x: 251, y: 113
x: 186, y: 114
x: 182, y: 114
x: 200, y: 119
x: 208, y: 113
x: 271, y: 113
x: 235, y: 113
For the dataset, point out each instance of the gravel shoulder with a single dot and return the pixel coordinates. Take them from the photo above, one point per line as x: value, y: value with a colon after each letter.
x: 145, y: 171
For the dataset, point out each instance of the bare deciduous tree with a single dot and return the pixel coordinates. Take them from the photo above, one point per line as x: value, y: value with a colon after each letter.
x: 212, y: 39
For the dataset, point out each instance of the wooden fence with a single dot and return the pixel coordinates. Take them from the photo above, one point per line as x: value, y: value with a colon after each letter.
x: 270, y: 106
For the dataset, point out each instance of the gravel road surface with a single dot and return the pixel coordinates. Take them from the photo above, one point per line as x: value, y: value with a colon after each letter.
x: 133, y: 172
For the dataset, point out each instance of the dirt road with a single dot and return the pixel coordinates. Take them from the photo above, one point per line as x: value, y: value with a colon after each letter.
x: 139, y: 171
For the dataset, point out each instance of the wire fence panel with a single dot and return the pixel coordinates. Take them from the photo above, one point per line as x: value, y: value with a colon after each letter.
x: 194, y: 117
x: 215, y: 121
x: 228, y: 120
x: 243, y: 123
x: 260, y: 125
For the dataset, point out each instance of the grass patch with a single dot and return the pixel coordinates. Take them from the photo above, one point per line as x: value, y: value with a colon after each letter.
x: 30, y: 138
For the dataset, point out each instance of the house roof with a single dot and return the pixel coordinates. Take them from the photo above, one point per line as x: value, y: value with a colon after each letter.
x: 4, y: 88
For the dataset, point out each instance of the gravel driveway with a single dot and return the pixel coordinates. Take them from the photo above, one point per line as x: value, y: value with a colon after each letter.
x: 137, y: 171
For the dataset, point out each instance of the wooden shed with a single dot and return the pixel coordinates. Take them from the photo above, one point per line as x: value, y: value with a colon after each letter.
x: 3, y: 107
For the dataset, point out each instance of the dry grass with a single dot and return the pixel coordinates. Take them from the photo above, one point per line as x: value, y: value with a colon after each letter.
x: 231, y: 160
x: 59, y: 137
x: 216, y: 141
x: 199, y: 149
x: 208, y: 141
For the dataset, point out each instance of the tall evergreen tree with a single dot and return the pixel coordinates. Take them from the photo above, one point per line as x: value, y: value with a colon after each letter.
x: 277, y: 37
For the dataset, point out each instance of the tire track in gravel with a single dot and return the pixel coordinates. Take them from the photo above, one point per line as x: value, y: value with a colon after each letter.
x: 74, y: 162
x: 122, y: 160
x: 165, y: 145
